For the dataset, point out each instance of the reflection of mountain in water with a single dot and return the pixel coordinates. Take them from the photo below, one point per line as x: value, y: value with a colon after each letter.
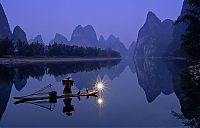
x: 154, y: 77
x: 87, y: 79
x: 5, y: 89
x: 6, y: 82
x: 84, y: 73
x: 115, y: 71
x: 18, y: 75
x: 158, y: 76
x: 187, y: 89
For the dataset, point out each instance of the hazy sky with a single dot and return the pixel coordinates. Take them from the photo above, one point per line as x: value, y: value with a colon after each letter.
x: 122, y: 18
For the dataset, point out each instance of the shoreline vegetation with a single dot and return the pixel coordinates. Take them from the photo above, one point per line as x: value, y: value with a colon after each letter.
x: 35, y: 60
x: 22, y: 52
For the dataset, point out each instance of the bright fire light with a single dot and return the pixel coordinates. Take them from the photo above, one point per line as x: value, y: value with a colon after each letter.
x: 100, y: 101
x: 100, y: 86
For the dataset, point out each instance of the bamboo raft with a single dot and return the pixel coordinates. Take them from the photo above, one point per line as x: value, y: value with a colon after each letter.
x: 38, y: 98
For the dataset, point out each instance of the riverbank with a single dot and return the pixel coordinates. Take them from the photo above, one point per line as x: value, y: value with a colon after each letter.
x: 49, y: 60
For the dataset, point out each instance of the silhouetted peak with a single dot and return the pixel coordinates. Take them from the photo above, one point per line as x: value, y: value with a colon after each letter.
x: 19, y: 34
x: 37, y: 39
x: 101, y: 38
x: 151, y: 15
x: 168, y: 24
x: 84, y: 36
x: 4, y: 26
x: 154, y: 37
x: 58, y: 36
x: 168, y: 21
x: 86, y: 28
x: 17, y: 29
x: 79, y: 27
x: 152, y: 18
x: 89, y: 27
x: 112, y: 37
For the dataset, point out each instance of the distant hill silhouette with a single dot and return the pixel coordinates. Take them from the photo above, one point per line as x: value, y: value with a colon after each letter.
x: 131, y: 49
x: 154, y: 37
x: 4, y: 26
x: 38, y: 39
x: 19, y: 34
x: 114, y: 43
x: 59, y: 39
x: 84, y: 36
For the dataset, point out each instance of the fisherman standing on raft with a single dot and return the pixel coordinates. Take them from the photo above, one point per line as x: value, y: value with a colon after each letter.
x: 68, y: 83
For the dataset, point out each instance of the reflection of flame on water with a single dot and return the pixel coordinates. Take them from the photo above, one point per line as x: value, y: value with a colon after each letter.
x: 100, y: 86
x: 100, y: 101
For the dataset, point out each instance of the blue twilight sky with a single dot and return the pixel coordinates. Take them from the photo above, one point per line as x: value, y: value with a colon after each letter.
x: 122, y: 18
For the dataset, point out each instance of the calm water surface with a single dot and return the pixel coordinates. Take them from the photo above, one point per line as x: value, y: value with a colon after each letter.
x: 143, y: 94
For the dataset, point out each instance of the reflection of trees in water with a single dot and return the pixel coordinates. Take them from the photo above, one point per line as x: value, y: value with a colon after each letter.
x: 192, y: 123
x: 189, y: 97
x: 75, y: 67
x: 181, y: 77
x: 156, y: 76
x: 15, y: 74
x: 115, y: 71
x: 6, y: 74
x: 18, y: 75
x: 86, y: 79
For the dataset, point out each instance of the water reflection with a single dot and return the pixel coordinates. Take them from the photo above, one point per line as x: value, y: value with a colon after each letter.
x: 188, y: 94
x: 48, y: 95
x: 158, y: 76
x: 5, y: 89
x: 19, y: 74
x: 154, y: 77
x: 68, y: 108
x: 86, y: 79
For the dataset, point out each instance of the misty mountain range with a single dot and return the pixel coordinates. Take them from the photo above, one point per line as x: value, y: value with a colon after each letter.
x: 148, y: 70
x: 161, y: 38
x: 81, y: 36
x: 156, y: 38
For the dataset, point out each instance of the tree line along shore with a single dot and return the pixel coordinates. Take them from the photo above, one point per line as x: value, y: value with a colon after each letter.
x: 23, y: 52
